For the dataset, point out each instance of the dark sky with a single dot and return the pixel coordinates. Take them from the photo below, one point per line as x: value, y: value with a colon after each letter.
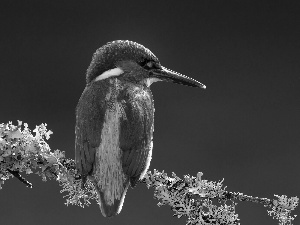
x: 244, y: 127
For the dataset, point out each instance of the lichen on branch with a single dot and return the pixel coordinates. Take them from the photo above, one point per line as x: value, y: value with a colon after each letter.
x: 24, y: 152
x: 192, y: 197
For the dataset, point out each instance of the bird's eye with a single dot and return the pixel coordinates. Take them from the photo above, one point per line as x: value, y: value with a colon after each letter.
x: 149, y: 64
x: 146, y: 64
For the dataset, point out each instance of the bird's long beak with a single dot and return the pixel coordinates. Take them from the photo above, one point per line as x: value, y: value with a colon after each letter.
x: 165, y: 74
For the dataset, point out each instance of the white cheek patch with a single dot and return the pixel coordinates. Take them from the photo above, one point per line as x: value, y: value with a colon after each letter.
x: 151, y: 80
x: 109, y: 73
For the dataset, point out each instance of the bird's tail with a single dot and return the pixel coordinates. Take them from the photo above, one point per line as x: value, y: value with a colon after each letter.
x: 110, y: 209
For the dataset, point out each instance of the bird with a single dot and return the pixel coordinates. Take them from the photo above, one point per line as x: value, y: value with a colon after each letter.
x: 115, y: 119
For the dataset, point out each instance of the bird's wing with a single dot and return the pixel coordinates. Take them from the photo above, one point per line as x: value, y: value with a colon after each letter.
x: 90, y: 116
x: 89, y: 121
x: 136, y: 135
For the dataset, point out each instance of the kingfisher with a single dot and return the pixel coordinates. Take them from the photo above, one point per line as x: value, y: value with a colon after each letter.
x: 115, y: 119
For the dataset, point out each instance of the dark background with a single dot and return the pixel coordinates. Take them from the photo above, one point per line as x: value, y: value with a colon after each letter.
x: 244, y: 127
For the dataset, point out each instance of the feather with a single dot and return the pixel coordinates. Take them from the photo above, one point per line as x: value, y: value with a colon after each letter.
x: 89, y: 122
x: 114, y: 130
x: 136, y: 131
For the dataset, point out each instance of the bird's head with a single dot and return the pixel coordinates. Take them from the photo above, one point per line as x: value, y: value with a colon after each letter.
x: 132, y: 62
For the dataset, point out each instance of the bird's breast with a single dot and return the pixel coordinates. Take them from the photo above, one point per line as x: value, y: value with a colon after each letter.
x: 127, y: 125
x: 138, y: 117
x: 108, y: 171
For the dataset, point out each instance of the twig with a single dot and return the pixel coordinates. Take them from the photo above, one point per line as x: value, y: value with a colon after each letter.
x: 20, y: 178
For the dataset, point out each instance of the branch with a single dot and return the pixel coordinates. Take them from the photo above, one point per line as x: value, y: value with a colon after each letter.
x: 192, y: 197
x: 20, y: 151
x: 17, y: 175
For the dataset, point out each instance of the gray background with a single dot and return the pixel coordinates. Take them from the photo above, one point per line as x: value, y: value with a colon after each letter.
x: 245, y: 127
